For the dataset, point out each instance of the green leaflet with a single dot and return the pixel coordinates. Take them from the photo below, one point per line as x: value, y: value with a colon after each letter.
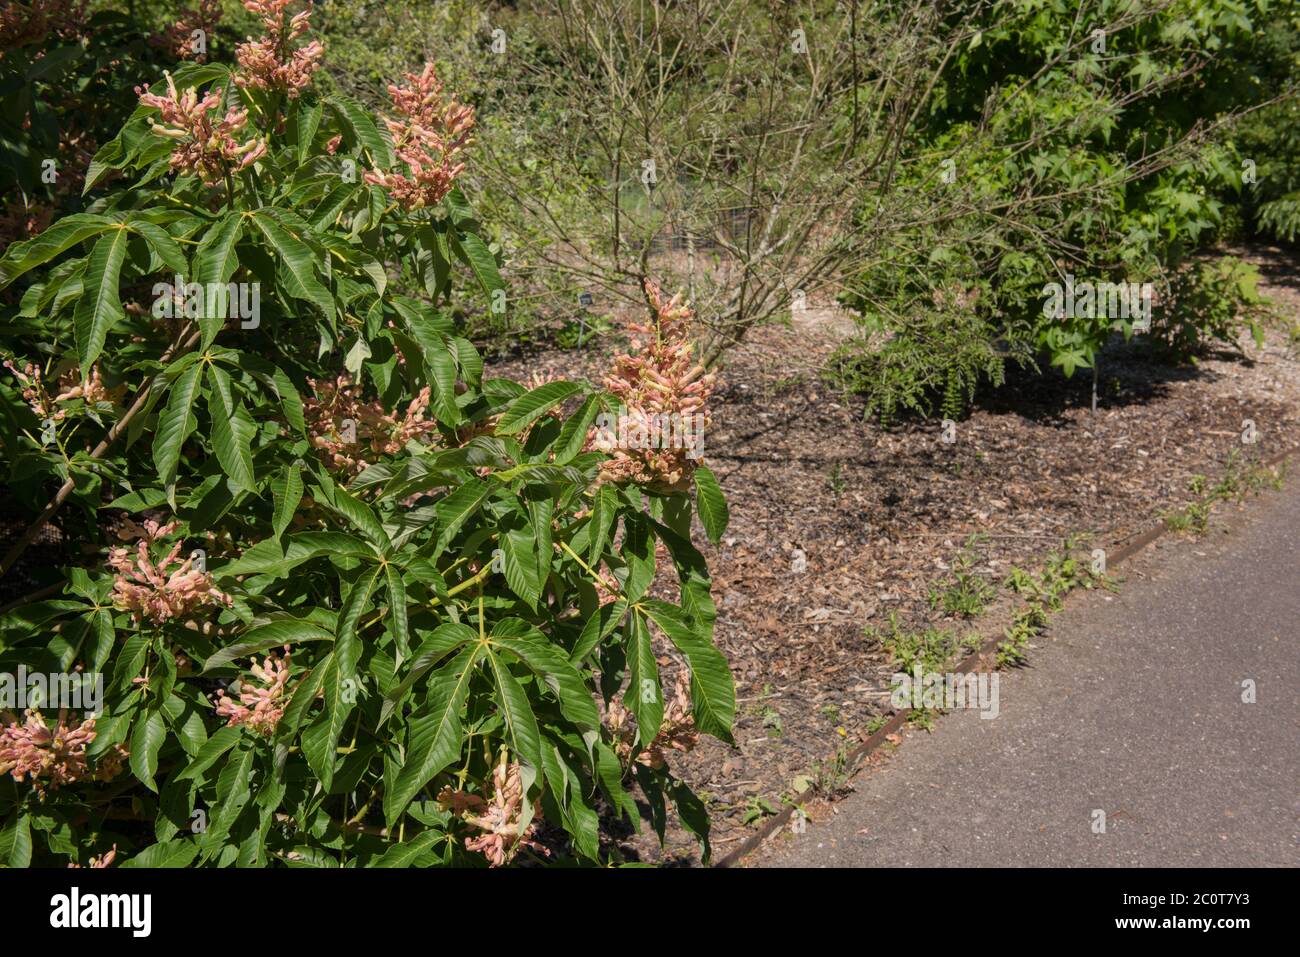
x: 175, y: 424
x: 299, y: 261
x: 713, y: 691
x: 531, y: 406
x: 643, y: 697
x: 711, y: 504
x: 434, y: 739
x: 232, y: 431
x: 146, y: 738
x: 100, y: 305
x: 59, y: 238
x: 215, y: 261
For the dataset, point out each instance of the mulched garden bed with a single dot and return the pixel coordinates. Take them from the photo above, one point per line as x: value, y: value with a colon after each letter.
x: 881, y: 514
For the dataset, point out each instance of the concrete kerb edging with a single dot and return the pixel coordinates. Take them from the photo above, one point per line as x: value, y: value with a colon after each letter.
x: 1127, y: 549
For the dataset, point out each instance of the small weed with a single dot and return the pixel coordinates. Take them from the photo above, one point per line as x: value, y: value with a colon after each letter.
x: 964, y: 593
x: 772, y: 722
x: 758, y: 808
x: 834, y: 482
x: 832, y: 777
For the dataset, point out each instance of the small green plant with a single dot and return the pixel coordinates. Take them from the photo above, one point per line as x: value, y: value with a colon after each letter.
x: 932, y: 649
x: 757, y: 808
x: 581, y: 332
x: 1027, y: 624
x: 831, y: 778
x: 772, y: 722
x: 963, y: 593
x: 835, y: 482
x: 1239, y: 480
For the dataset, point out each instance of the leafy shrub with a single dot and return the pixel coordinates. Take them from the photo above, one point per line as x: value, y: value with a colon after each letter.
x: 356, y: 604
x: 1063, y: 139
x: 1209, y: 300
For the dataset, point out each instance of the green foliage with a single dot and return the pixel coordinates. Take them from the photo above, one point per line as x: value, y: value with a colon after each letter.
x: 1050, y: 151
x: 438, y: 601
x: 962, y: 593
x: 1209, y: 300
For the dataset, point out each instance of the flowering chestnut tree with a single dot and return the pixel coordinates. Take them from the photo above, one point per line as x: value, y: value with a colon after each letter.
x: 353, y: 602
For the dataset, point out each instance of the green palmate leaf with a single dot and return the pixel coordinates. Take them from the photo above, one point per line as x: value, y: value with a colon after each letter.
x: 531, y: 406
x: 644, y: 698
x: 289, y: 631
x: 232, y: 431
x: 713, y: 691
x: 215, y: 262
x: 59, y: 238
x: 302, y: 264
x: 435, y: 738
x: 711, y: 504
x: 146, y: 738
x: 286, y: 491
x: 100, y: 305
x: 175, y: 423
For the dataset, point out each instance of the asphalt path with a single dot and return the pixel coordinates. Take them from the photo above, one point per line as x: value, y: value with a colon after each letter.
x: 1132, y: 705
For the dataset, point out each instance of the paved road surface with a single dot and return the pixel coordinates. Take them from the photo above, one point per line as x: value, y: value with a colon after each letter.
x: 1132, y: 705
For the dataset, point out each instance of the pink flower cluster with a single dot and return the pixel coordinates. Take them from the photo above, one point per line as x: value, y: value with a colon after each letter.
x: 34, y: 394
x: 53, y: 758
x: 206, y: 148
x: 91, y: 390
x: 429, y: 138
x: 372, y: 431
x: 272, y: 62
x: 657, y: 379
x: 259, y: 708
x: 158, y: 591
x: 677, y: 733
x: 178, y: 38
x: 99, y: 862
x: 498, y: 819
